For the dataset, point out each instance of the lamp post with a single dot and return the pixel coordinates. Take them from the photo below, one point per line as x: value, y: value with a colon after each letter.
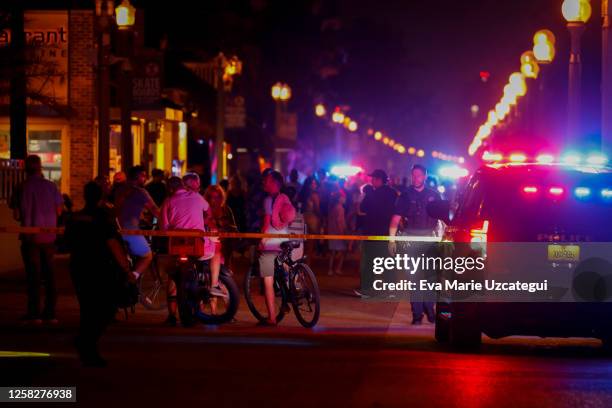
x: 281, y: 93
x: 225, y: 70
x: 338, y: 118
x: 104, y: 12
x: 544, y: 53
x: 125, y: 15
x: 606, y: 79
x: 576, y: 13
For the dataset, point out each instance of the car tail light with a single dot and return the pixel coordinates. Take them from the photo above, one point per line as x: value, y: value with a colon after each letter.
x: 479, y: 233
x: 556, y: 191
x: 530, y: 189
x: 183, y: 258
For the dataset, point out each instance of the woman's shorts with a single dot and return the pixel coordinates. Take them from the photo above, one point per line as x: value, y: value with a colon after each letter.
x: 266, y: 263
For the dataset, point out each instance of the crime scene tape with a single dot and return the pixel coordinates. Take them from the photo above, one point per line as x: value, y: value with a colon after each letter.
x: 252, y: 235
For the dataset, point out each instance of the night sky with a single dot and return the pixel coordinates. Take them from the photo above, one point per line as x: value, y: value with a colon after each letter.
x: 410, y: 68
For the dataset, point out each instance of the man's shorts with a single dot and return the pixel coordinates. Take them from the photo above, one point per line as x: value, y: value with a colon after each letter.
x: 137, y: 245
x: 266, y: 263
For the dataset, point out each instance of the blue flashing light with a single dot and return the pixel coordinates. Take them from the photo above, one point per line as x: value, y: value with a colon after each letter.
x: 606, y: 193
x: 572, y: 158
x: 345, y: 170
x: 453, y: 172
x: 597, y: 159
x: 582, y: 192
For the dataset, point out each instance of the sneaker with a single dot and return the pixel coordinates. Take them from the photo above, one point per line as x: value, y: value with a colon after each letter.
x: 218, y: 291
x: 417, y: 322
x: 171, y: 321
x: 431, y: 319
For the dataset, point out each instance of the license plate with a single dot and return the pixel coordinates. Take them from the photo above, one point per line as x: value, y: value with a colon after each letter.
x: 567, y: 253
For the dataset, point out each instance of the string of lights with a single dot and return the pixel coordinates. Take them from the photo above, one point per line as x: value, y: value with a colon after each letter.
x: 340, y: 118
x: 543, y: 53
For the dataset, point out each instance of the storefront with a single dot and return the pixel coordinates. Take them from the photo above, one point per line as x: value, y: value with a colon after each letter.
x: 47, y: 138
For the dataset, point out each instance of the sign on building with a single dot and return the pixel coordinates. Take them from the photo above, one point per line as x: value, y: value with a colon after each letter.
x: 46, y: 36
x: 147, y: 81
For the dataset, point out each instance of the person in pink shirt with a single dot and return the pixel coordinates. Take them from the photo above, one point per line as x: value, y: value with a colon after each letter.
x: 185, y: 209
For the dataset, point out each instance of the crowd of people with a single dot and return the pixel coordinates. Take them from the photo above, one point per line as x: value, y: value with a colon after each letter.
x: 256, y: 202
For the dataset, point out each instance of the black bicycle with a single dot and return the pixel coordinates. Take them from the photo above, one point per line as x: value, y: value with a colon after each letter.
x: 294, y: 284
x: 152, y: 283
x: 195, y: 301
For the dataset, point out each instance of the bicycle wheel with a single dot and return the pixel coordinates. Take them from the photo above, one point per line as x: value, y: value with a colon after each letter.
x: 152, y: 289
x: 219, y: 310
x: 255, y: 299
x: 305, y: 295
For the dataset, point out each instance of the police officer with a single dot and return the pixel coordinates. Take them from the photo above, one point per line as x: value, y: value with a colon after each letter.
x: 411, y: 218
x: 99, y: 268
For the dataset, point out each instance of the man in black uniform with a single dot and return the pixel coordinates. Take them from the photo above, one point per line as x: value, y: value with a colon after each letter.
x: 98, y: 267
x: 377, y: 207
x: 411, y: 214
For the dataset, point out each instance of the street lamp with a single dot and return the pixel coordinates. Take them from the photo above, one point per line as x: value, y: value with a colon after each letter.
x: 225, y: 70
x: 544, y: 46
x: 281, y: 92
x: 125, y: 14
x: 529, y: 65
x: 576, y: 13
x: 320, y: 110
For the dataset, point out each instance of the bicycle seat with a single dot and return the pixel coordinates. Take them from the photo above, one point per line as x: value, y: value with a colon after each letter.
x: 290, y: 245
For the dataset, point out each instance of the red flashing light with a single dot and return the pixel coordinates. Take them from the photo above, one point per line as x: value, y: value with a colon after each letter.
x: 183, y: 259
x: 492, y: 157
x: 530, y: 189
x: 484, y: 76
x: 517, y: 158
x: 556, y: 191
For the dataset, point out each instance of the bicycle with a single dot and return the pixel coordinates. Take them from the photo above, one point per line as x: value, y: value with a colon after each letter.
x: 193, y: 281
x: 294, y: 283
x: 151, y: 284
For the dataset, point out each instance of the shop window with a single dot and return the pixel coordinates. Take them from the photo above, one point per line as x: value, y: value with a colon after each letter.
x: 48, y: 145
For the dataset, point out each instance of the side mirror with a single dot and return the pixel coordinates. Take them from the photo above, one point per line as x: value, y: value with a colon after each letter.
x: 439, y: 210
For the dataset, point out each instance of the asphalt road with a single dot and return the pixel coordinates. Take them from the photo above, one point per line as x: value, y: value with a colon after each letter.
x: 361, y: 354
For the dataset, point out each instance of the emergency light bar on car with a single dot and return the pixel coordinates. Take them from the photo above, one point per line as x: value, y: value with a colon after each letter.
x: 558, y: 192
x: 570, y: 158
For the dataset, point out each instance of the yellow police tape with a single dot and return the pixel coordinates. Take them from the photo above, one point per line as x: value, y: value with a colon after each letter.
x: 255, y: 235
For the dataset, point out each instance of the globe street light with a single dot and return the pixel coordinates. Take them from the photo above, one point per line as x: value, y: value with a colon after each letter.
x: 125, y: 14
x: 576, y: 13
